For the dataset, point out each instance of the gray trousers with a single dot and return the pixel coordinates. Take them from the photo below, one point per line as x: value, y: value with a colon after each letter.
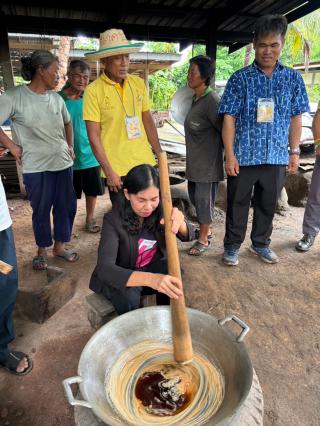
x: 311, y: 220
x: 202, y: 195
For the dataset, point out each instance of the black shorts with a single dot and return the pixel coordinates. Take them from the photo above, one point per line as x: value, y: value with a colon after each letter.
x: 88, y: 181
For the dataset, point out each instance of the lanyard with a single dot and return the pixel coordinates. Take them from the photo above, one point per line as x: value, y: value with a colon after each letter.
x: 124, y: 109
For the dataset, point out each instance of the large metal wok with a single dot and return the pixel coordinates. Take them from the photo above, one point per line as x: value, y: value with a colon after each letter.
x: 210, y: 337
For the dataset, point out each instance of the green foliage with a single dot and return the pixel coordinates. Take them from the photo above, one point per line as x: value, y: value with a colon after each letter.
x: 303, y: 39
x: 162, y: 89
x: 227, y: 64
x: 163, y: 84
x: 314, y: 93
x: 84, y: 43
x: 18, y: 81
x: 160, y: 47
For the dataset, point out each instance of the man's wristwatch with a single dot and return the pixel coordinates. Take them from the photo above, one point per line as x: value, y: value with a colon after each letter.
x: 293, y: 151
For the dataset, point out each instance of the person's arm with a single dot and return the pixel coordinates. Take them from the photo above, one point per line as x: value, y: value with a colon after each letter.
x: 69, y: 137
x: 230, y: 106
x: 316, y: 130
x: 294, y: 140
x: 6, y: 112
x: 109, y: 273
x: 151, y: 131
x: 179, y: 226
x: 171, y: 286
x: 15, y: 149
x: 228, y: 133
x: 93, y: 130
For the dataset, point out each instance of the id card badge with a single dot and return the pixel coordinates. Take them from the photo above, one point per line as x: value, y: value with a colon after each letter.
x: 265, y: 113
x: 133, y: 127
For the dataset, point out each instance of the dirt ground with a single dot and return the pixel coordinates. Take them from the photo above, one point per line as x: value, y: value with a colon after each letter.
x: 279, y: 302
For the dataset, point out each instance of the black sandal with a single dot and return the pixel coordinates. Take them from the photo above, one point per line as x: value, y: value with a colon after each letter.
x: 13, y: 360
x: 197, y: 249
x: 39, y: 263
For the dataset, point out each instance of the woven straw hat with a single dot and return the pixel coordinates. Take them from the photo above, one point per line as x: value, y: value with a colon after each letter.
x: 114, y: 42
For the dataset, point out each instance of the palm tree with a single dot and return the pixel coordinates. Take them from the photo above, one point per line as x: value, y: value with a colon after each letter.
x: 64, y: 51
x: 302, y: 36
x: 247, y: 54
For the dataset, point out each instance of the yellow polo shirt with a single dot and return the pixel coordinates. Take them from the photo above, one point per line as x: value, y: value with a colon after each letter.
x: 102, y: 103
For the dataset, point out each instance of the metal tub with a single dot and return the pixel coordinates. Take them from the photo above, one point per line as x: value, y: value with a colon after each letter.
x: 210, y: 337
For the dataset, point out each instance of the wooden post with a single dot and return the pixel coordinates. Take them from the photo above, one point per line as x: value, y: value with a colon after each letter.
x: 146, y: 75
x: 5, y: 61
x: 211, y: 43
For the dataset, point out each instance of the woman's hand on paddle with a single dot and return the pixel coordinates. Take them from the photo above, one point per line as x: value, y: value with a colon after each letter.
x: 171, y: 286
x: 177, y: 220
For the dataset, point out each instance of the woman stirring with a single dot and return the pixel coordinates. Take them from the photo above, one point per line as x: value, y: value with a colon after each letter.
x: 131, y: 257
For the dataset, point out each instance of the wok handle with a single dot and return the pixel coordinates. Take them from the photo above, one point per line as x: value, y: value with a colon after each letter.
x: 68, y: 391
x: 245, y: 327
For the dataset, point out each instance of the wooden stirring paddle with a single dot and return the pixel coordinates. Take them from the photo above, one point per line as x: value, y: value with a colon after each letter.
x: 182, y: 344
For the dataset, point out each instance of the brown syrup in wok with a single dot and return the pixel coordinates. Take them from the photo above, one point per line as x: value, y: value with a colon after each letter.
x: 161, y: 395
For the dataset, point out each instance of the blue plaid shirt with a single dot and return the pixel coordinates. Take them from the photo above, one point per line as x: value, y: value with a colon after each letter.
x: 263, y: 143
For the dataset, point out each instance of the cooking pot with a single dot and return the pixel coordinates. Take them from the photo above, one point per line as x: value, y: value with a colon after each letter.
x: 210, y: 337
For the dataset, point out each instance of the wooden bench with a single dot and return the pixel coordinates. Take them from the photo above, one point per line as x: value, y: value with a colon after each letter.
x: 100, y: 310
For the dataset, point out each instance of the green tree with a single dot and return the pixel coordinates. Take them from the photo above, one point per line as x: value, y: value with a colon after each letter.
x: 85, y: 43
x: 303, y: 38
x: 161, y: 89
x: 160, y: 47
x: 303, y: 45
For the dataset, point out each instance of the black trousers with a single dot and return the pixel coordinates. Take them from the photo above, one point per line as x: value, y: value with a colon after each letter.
x: 266, y: 182
x: 129, y: 299
x: 117, y: 197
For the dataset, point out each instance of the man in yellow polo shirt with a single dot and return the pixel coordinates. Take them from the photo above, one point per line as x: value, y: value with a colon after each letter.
x: 116, y: 110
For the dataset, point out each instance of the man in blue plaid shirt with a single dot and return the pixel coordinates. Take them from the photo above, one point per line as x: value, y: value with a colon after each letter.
x: 262, y: 106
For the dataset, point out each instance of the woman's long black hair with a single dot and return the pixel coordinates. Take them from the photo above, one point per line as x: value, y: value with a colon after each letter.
x: 138, y: 179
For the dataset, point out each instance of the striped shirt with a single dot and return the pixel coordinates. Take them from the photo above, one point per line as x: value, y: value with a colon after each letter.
x: 263, y: 143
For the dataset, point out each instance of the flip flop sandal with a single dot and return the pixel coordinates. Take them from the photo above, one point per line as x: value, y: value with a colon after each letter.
x: 197, y: 234
x: 13, y: 361
x: 92, y: 227
x: 68, y: 255
x: 39, y: 263
x: 197, y: 249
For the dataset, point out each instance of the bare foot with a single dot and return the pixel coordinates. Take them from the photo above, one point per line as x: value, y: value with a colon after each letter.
x: 23, y: 364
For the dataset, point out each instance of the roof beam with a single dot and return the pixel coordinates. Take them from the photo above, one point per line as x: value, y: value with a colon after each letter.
x: 73, y: 27
x: 309, y: 7
x: 236, y: 47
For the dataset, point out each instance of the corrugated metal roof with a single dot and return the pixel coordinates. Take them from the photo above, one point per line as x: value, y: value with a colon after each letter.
x: 168, y: 20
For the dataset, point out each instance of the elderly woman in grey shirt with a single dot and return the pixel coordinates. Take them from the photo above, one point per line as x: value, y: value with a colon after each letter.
x: 204, y: 168
x: 43, y: 143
